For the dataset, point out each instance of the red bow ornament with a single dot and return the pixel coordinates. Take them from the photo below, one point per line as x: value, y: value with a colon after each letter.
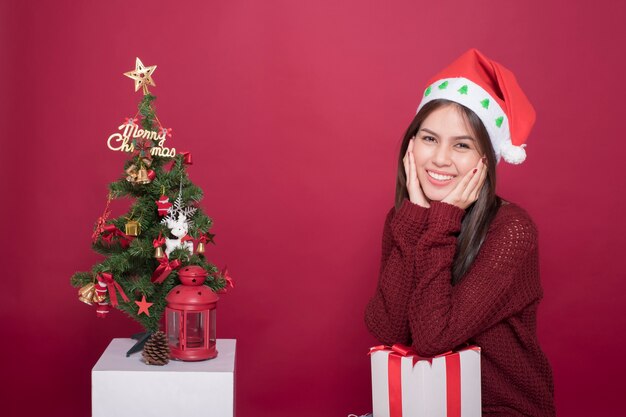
x: 112, y: 285
x: 159, y: 241
x: 142, y: 148
x: 110, y: 231
x: 131, y: 121
x: 166, y: 131
x: 164, y: 269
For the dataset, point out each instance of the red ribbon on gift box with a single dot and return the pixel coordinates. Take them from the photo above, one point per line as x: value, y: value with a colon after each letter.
x: 394, y: 375
x: 163, y: 270
x: 453, y: 385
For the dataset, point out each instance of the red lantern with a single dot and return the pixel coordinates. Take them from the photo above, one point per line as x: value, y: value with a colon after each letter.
x: 190, y: 317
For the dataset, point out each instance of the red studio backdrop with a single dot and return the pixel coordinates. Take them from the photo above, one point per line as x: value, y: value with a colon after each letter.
x: 294, y: 111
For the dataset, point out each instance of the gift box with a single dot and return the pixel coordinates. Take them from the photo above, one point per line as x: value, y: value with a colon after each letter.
x: 407, y: 385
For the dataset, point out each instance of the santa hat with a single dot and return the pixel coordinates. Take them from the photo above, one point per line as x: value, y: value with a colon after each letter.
x: 492, y: 92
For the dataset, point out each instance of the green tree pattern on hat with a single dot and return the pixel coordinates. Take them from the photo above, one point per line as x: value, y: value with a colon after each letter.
x: 499, y: 121
x: 427, y: 92
x: 485, y: 103
x: 443, y: 85
x: 463, y: 90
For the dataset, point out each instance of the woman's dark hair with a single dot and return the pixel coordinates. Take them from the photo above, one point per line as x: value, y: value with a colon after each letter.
x: 479, y: 215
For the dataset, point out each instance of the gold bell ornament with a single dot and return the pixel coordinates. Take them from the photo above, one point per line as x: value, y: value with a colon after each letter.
x: 88, y: 295
x: 131, y: 171
x: 202, y: 242
x: 158, y: 246
x: 200, y: 248
x: 142, y: 176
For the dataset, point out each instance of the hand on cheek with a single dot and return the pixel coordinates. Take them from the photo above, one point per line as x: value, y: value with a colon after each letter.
x: 416, y: 195
x: 466, y: 191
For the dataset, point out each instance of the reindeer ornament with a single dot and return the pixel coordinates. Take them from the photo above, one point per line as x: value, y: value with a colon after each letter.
x: 178, y: 221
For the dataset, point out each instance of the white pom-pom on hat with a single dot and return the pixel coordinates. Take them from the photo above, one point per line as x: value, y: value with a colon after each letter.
x: 513, y: 154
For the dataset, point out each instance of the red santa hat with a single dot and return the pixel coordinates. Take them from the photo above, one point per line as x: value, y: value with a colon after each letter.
x: 492, y: 92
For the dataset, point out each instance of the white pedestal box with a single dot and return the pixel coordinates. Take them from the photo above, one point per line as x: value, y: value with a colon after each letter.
x: 127, y: 387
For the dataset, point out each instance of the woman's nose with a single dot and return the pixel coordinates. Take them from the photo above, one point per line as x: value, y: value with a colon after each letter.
x: 441, y: 156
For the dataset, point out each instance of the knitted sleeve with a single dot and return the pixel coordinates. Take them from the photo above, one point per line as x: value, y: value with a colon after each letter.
x: 501, y: 282
x: 386, y: 313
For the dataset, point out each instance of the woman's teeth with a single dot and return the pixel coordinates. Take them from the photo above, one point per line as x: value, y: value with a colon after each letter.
x: 440, y: 177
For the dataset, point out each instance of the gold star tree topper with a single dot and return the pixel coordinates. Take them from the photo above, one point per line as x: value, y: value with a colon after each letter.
x: 142, y: 76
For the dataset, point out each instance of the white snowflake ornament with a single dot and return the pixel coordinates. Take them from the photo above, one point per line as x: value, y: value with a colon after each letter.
x: 178, y: 222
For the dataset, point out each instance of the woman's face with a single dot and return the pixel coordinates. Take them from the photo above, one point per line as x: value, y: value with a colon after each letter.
x: 445, y: 149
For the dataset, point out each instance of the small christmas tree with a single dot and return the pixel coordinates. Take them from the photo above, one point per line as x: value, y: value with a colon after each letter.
x: 133, y: 277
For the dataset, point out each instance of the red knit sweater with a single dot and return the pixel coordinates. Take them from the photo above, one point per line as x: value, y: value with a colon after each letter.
x: 494, y: 306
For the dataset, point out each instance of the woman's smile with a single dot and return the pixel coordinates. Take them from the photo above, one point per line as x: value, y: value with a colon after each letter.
x: 439, y: 178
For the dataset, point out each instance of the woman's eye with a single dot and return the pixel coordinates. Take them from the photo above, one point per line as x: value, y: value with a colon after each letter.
x: 428, y: 138
x: 463, y: 146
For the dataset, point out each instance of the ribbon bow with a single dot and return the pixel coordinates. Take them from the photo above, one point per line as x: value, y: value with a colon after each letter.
x: 107, y: 279
x: 160, y: 241
x: 131, y: 121
x: 163, y: 270
x: 166, y: 131
x: 399, y: 349
x: 403, y: 351
x: 142, y: 148
x: 110, y: 230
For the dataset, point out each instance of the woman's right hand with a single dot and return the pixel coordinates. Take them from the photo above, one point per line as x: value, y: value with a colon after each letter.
x: 416, y: 195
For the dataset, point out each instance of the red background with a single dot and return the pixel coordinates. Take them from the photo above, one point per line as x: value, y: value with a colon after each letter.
x: 294, y: 112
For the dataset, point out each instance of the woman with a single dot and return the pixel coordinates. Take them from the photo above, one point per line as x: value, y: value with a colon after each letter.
x: 459, y: 264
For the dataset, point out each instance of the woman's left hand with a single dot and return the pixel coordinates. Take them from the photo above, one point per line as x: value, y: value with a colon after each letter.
x: 467, y: 190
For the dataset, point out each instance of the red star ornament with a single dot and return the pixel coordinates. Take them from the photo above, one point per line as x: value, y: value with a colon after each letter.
x: 143, y: 306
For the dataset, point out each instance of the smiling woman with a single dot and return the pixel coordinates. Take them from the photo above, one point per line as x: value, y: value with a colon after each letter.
x: 447, y: 140
x: 444, y: 149
x: 460, y: 265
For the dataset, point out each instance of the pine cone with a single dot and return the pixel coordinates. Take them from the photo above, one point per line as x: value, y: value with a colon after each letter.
x: 156, y: 351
